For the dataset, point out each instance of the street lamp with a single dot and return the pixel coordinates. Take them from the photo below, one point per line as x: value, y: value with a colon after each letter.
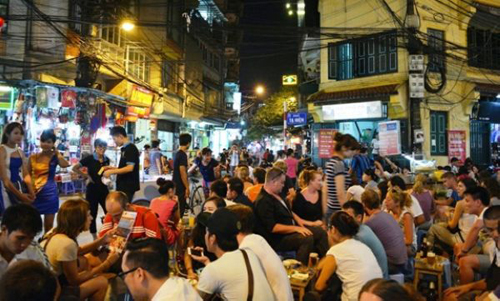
x: 260, y: 90
x: 127, y: 25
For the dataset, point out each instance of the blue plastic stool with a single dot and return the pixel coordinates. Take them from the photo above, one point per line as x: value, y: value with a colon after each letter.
x: 80, y: 186
x: 68, y: 188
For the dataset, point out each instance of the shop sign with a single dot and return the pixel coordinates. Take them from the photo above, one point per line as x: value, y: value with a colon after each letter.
x: 326, y: 143
x: 353, y: 111
x: 389, y: 138
x: 289, y: 80
x: 141, y: 97
x: 457, y: 145
x: 6, y: 98
x: 138, y: 112
x: 296, y: 118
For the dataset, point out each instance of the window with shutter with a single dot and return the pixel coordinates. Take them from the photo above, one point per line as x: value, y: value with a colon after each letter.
x: 376, y: 54
x: 332, y: 61
x: 436, y: 45
x: 439, y: 133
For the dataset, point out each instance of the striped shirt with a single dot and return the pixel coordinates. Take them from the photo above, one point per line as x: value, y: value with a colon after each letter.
x: 335, y: 167
x: 146, y: 224
x: 359, y: 164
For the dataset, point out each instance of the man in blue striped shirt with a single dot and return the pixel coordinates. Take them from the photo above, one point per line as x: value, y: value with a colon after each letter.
x: 360, y: 162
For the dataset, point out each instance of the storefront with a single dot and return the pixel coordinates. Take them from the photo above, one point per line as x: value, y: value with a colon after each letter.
x: 359, y: 119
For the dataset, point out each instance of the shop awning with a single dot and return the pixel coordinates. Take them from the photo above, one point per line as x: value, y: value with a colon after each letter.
x: 106, y: 96
x: 373, y: 93
x: 489, y: 89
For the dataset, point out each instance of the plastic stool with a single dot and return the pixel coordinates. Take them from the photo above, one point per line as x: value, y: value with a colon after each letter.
x: 399, y: 278
x: 68, y: 188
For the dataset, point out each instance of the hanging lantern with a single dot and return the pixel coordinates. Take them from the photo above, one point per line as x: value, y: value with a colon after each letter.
x: 2, y: 22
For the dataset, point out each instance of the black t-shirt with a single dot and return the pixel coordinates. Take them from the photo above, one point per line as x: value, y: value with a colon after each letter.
x: 207, y: 171
x: 129, y: 181
x: 307, y: 210
x: 180, y: 159
x: 288, y: 185
x: 93, y: 167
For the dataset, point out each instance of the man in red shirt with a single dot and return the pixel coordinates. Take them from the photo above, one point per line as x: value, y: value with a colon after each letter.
x: 146, y: 224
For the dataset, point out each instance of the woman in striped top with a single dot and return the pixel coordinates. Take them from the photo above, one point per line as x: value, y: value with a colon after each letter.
x: 337, y: 176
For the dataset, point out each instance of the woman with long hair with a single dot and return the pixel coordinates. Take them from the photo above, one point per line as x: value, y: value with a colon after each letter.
x: 351, y: 260
x: 42, y: 166
x: 493, y: 188
x: 307, y: 205
x: 425, y: 198
x: 16, y: 179
x: 398, y: 203
x: 166, y: 208
x: 337, y: 176
x: 76, y: 277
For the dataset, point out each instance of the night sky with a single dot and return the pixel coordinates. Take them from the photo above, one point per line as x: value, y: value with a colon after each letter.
x: 269, y: 48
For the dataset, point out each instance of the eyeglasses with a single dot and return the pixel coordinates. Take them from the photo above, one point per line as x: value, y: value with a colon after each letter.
x: 123, y: 274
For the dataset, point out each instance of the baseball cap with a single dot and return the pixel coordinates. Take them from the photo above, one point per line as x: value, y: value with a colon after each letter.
x: 224, y: 223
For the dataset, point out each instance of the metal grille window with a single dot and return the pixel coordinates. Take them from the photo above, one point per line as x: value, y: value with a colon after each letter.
x: 373, y: 55
x: 483, y: 48
x: 436, y: 45
x: 439, y: 133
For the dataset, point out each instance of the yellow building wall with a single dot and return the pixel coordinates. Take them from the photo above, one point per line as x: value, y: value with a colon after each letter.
x: 459, y: 94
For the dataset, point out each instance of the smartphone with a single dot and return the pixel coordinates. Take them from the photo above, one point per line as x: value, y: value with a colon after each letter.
x: 195, y: 252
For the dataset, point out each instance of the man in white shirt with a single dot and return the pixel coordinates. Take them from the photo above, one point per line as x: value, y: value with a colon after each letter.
x: 146, y: 273
x: 477, y: 200
x: 20, y: 224
x: 271, y: 263
x: 237, y: 274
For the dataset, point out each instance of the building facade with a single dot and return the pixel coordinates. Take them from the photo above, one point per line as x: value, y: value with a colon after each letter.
x: 365, y: 66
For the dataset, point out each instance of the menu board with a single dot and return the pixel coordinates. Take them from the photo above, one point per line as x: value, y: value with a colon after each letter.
x: 457, y: 145
x: 389, y: 138
x: 326, y: 143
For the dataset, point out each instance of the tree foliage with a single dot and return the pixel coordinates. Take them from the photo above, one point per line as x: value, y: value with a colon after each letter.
x: 270, y: 114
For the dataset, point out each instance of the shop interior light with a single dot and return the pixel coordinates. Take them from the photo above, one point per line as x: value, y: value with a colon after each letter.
x: 5, y: 89
x: 288, y: 5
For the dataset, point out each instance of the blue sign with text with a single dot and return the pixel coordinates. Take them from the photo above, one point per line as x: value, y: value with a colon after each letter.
x: 296, y: 118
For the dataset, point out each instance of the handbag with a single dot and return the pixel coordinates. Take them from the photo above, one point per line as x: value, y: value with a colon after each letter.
x: 22, y: 187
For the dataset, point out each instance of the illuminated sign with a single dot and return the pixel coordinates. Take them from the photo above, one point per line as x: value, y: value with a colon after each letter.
x: 296, y: 118
x: 141, y: 97
x: 6, y: 98
x: 353, y: 111
x: 237, y: 102
x: 290, y: 80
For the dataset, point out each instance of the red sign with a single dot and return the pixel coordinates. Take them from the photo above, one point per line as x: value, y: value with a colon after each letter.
x: 389, y: 138
x: 326, y: 143
x: 457, y: 145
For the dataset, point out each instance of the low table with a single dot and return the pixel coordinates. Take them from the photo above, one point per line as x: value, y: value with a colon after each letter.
x: 301, y: 285
x: 422, y: 267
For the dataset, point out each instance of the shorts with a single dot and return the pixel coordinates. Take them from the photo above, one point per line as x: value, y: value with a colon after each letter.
x: 484, y: 263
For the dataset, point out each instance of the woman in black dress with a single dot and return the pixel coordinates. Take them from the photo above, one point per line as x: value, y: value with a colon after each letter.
x: 307, y: 203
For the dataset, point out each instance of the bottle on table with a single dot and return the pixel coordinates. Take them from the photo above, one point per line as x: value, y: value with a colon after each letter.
x: 433, y: 293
